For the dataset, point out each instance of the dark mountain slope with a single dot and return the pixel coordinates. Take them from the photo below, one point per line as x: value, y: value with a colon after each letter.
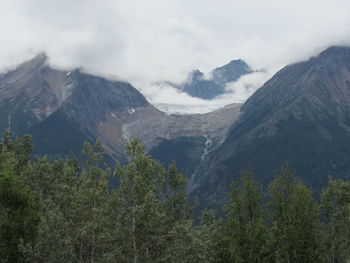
x: 58, y: 135
x: 301, y: 115
x: 186, y: 151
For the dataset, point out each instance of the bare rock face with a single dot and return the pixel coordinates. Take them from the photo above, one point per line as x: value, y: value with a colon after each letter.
x: 153, y: 127
x: 29, y: 94
x: 300, y: 116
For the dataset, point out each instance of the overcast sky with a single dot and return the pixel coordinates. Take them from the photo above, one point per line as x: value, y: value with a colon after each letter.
x: 145, y: 41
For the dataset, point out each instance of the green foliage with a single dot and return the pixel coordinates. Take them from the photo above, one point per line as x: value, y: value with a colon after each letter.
x: 18, y: 219
x: 335, y: 204
x: 91, y: 209
x: 61, y: 211
x: 294, y: 216
x: 137, y: 204
x: 73, y: 207
x: 175, y: 195
x: 245, y: 233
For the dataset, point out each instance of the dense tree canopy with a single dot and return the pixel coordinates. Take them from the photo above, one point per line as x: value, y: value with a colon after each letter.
x: 66, y: 211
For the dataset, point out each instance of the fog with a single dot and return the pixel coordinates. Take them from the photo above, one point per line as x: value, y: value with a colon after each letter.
x: 147, y: 42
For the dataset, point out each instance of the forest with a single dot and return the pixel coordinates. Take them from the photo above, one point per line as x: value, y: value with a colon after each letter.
x: 67, y: 211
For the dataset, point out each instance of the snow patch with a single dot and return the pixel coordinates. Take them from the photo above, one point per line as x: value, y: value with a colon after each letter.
x: 131, y: 111
x: 186, y: 108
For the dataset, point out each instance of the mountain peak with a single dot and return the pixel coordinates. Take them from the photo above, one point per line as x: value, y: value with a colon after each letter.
x: 40, y: 57
x: 234, y: 65
x: 231, y: 71
x: 237, y: 62
x: 31, y: 66
x: 198, y: 86
x: 196, y: 75
x: 335, y: 51
x: 39, y: 60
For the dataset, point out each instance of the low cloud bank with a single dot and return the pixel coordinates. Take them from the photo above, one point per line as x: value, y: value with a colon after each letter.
x: 145, y: 42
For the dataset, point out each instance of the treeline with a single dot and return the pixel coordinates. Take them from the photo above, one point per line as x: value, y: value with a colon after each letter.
x: 61, y: 211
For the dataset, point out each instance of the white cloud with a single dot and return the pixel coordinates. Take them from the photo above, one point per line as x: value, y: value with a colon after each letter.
x: 244, y: 87
x: 164, y: 93
x: 155, y: 40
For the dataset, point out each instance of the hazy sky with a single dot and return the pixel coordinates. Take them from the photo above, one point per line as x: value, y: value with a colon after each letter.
x: 145, y: 41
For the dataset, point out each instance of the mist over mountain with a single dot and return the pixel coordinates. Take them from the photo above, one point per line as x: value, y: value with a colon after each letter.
x: 62, y: 109
x: 300, y: 116
x: 208, y: 87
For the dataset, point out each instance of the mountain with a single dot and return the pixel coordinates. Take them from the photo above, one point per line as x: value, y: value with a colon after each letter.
x: 300, y: 116
x: 197, y: 85
x: 62, y: 109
